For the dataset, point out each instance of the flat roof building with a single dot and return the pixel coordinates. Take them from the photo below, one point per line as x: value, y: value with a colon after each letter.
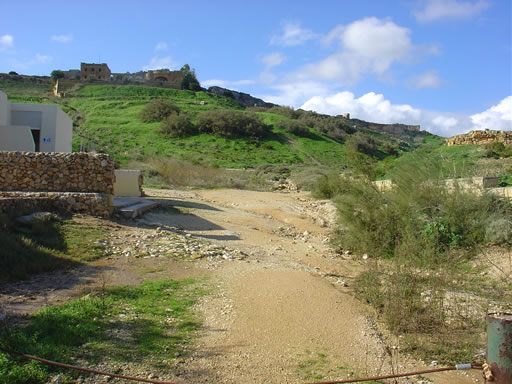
x: 94, y: 72
x: 34, y: 127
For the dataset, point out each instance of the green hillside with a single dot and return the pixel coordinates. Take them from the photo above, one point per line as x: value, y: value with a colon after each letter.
x: 106, y: 120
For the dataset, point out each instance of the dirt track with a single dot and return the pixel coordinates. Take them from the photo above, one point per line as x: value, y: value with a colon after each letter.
x: 283, y: 314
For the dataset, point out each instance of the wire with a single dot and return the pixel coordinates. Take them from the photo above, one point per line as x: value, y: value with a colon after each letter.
x: 83, y: 369
x: 454, y: 368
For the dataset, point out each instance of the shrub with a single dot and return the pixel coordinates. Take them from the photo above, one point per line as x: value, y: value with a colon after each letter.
x: 296, y: 127
x: 284, y: 111
x: 329, y: 186
x: 419, y: 220
x: 157, y: 110
x: 177, y: 126
x: 499, y: 232
x: 229, y: 123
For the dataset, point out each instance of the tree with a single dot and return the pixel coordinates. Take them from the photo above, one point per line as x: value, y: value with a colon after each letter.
x: 56, y: 75
x: 189, y: 81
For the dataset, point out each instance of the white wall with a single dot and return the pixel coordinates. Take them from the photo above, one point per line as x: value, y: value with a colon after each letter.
x: 63, y: 132
x: 16, y: 138
x: 5, y: 116
x: 56, y: 126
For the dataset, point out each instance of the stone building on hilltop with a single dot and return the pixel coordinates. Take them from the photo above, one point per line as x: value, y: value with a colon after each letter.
x: 94, y: 72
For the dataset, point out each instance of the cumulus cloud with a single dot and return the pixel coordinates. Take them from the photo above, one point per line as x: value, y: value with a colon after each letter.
x: 429, y: 79
x: 161, y: 46
x: 160, y: 63
x: 371, y: 106
x: 369, y: 45
x: 292, y: 34
x: 497, y: 117
x: 375, y: 107
x: 6, y: 41
x: 62, y: 38
x: 450, y: 9
x: 293, y: 94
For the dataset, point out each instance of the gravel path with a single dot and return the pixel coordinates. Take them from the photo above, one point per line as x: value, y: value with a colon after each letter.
x: 282, y: 310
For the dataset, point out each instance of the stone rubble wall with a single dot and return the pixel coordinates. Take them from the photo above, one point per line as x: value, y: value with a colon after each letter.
x: 66, y: 182
x: 481, y: 138
x: 22, y: 203
x: 56, y: 172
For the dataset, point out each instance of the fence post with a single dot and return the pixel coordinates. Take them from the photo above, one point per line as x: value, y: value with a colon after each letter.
x: 499, y: 347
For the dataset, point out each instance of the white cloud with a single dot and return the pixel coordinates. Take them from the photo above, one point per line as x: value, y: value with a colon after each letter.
x: 429, y: 79
x: 369, y: 45
x: 498, y: 117
x: 160, y: 63
x: 445, y: 122
x: 371, y: 106
x: 161, y: 46
x: 273, y: 59
x: 293, y: 34
x: 450, y: 9
x: 376, y: 108
x: 226, y: 83
x: 293, y: 94
x: 43, y: 59
x: 62, y: 38
x: 6, y: 41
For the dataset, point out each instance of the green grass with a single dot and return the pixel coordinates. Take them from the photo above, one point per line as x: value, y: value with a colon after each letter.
x: 46, y: 245
x: 150, y: 323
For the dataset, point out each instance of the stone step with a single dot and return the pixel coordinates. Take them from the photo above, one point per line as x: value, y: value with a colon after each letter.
x: 133, y: 207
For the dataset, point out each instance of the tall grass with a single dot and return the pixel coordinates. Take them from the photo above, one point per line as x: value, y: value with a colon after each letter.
x: 174, y: 173
x: 420, y: 234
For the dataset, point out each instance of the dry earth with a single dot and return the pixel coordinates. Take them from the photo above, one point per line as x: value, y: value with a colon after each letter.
x: 282, y: 310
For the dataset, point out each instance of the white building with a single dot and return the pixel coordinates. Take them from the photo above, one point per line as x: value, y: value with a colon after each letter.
x: 34, y: 127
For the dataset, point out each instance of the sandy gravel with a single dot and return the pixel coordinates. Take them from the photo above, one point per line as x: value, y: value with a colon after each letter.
x: 283, y: 313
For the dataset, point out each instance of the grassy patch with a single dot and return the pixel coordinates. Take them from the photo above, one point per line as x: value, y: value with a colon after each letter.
x: 46, y: 245
x: 151, y: 323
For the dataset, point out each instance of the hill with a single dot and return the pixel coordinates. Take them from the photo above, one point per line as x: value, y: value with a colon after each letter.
x: 106, y: 119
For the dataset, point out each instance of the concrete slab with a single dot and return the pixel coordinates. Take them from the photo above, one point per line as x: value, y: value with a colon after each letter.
x: 132, y: 207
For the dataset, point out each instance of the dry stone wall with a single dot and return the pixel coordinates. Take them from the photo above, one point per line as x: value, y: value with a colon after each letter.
x: 70, y: 182
x: 56, y: 172
x: 481, y: 138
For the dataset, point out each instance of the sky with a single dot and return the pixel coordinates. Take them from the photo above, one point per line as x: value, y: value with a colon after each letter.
x: 443, y: 64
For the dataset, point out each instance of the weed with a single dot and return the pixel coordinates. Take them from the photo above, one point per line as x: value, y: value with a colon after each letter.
x: 151, y: 322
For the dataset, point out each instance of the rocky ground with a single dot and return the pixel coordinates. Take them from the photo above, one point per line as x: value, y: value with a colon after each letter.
x: 282, y: 310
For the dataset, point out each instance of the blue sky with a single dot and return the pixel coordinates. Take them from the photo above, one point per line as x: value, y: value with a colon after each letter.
x: 444, y: 64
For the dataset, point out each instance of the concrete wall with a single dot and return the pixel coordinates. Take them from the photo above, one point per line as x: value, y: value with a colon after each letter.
x: 16, y: 138
x: 5, y: 117
x: 63, y: 132
x: 56, y: 128
x: 128, y: 183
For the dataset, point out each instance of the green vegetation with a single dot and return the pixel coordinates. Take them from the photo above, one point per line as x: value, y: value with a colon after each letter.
x: 420, y: 235
x: 46, y: 245
x: 152, y: 322
x: 229, y: 123
x: 157, y: 110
